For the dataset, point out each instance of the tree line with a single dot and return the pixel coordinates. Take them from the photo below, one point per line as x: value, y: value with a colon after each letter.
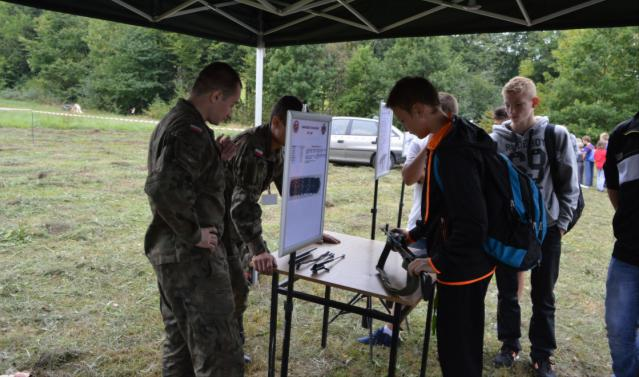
x: 587, y: 79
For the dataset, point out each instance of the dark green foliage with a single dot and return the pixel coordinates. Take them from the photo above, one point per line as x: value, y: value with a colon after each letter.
x: 130, y: 66
x: 598, y: 80
x: 15, y: 25
x: 57, y: 55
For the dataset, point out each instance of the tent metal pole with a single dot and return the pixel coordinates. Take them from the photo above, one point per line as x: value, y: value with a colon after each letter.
x: 175, y: 10
x: 134, y: 10
x: 566, y: 11
x: 227, y: 15
x: 412, y: 18
x: 359, y: 16
x: 259, y: 80
x: 524, y: 12
x: 480, y: 12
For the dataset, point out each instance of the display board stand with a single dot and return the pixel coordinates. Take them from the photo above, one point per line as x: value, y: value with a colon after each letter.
x: 401, y: 205
x: 288, y: 314
x: 303, y: 204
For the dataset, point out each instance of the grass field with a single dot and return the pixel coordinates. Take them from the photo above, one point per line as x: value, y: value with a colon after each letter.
x: 78, y: 297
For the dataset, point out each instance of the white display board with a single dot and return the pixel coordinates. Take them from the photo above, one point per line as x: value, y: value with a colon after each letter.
x: 308, y: 138
x: 382, y: 156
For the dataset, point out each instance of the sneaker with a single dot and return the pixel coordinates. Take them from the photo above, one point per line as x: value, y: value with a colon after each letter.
x: 543, y: 368
x: 379, y: 337
x: 247, y: 359
x: 506, y: 357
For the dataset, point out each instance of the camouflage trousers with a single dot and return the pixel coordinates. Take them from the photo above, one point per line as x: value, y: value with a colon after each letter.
x: 202, y: 334
x: 238, y: 265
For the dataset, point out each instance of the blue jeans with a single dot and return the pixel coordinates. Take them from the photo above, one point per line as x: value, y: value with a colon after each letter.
x: 622, y: 317
x: 601, y: 180
x: 589, y: 167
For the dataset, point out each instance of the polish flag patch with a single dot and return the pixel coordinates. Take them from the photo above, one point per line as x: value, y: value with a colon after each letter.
x: 195, y: 128
x: 259, y: 153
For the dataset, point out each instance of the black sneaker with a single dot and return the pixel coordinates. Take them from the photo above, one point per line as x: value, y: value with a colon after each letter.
x: 543, y: 368
x: 506, y: 357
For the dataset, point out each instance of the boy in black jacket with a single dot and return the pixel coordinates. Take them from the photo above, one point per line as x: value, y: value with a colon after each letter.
x: 454, y: 222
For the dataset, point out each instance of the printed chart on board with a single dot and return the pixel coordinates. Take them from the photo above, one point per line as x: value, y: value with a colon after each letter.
x: 304, y: 186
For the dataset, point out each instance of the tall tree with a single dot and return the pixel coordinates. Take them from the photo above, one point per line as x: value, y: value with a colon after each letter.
x: 130, y: 66
x: 15, y: 26
x: 598, y: 79
x: 57, y: 54
x: 364, y: 84
x: 303, y: 71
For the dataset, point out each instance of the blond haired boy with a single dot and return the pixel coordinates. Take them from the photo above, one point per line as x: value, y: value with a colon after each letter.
x: 522, y: 140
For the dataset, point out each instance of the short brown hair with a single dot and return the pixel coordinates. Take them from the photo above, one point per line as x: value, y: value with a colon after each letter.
x: 217, y: 76
x: 520, y: 84
x: 449, y: 103
x: 283, y: 105
x: 500, y: 114
x: 411, y: 90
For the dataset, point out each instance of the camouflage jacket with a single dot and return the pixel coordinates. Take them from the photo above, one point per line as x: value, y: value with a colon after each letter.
x: 251, y: 171
x: 185, y: 185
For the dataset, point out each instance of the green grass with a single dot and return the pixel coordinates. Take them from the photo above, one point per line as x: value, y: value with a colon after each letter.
x: 36, y: 119
x: 78, y: 297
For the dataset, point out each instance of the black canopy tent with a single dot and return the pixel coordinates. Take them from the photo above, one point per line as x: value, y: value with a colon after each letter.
x: 272, y: 23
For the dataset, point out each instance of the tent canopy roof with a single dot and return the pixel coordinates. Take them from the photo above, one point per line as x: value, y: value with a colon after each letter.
x: 292, y: 22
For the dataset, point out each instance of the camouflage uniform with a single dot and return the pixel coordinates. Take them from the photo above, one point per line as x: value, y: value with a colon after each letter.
x: 251, y: 171
x: 185, y: 186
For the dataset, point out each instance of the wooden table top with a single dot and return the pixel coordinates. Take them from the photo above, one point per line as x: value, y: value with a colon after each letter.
x: 357, y: 272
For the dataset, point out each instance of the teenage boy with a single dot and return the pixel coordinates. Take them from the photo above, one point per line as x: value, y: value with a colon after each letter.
x: 454, y: 222
x: 522, y: 140
x: 413, y: 173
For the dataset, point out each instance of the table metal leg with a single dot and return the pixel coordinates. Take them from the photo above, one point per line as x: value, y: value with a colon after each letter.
x: 354, y: 300
x: 369, y: 326
x: 327, y: 296
x: 427, y: 330
x: 288, y: 314
x: 392, y: 360
x: 273, y: 326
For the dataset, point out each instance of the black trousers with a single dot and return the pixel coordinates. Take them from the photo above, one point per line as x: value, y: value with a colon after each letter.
x: 542, y: 281
x: 460, y: 328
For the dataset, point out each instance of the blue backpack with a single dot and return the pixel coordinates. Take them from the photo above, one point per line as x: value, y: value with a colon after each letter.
x: 516, y: 213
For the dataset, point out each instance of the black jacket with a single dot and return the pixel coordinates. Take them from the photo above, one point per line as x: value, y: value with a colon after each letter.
x: 622, y: 174
x: 456, y: 226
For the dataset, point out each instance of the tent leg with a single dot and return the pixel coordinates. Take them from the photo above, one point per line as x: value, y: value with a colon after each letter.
x: 259, y: 82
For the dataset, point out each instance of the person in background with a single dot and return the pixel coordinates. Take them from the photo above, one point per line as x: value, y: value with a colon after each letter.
x: 589, y: 160
x: 580, y: 160
x: 604, y: 137
x: 600, y: 159
x: 500, y: 115
x: 522, y: 140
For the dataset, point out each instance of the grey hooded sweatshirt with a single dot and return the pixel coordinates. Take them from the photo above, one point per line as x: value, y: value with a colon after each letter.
x: 528, y: 153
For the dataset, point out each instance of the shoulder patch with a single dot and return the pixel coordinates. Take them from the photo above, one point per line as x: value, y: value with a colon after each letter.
x: 259, y: 152
x: 196, y: 129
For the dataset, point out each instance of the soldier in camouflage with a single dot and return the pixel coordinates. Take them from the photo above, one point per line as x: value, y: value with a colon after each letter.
x: 185, y: 186
x: 257, y: 163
